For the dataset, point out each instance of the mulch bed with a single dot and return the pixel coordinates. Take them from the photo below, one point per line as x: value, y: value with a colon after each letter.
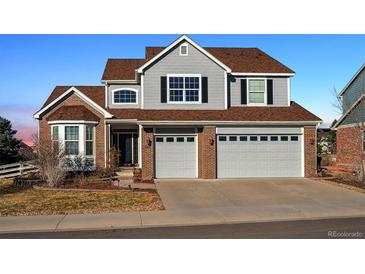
x: 98, y: 186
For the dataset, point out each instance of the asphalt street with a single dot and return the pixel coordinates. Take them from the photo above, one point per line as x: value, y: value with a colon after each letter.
x: 342, y: 228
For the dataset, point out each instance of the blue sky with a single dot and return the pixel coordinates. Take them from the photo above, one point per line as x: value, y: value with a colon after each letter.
x: 31, y: 65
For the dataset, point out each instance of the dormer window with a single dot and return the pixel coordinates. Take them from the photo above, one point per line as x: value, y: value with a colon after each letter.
x: 125, y: 96
x: 184, y: 50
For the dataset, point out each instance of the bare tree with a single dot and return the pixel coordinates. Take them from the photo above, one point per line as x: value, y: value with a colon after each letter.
x: 50, y: 159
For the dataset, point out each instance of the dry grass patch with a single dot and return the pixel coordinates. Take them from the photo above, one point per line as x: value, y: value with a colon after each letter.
x: 17, y: 201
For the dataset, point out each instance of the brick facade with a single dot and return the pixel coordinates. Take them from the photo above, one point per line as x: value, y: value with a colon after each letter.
x: 147, y: 142
x: 310, y: 151
x: 207, y: 153
x: 349, y: 150
x: 45, y: 128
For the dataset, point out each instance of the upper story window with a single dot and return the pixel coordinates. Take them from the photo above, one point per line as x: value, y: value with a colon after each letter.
x: 256, y: 89
x: 184, y: 50
x: 184, y: 88
x: 125, y: 96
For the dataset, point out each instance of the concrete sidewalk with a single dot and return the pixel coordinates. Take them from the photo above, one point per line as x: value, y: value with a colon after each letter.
x: 178, y: 217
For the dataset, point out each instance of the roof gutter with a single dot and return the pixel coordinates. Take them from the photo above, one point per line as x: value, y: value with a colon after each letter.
x: 230, y: 123
x: 262, y: 74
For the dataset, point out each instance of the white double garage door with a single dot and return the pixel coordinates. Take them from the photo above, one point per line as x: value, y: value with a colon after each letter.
x: 241, y: 153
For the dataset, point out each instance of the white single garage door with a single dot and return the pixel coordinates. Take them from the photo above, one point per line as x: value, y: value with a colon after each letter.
x: 252, y: 155
x: 175, y: 156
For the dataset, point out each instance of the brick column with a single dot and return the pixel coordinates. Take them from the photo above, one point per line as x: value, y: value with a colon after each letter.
x: 207, y: 154
x: 310, y: 151
x: 349, y: 151
x: 147, y: 153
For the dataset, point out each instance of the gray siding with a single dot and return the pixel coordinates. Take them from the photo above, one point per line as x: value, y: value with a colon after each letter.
x: 114, y: 87
x: 195, y: 63
x: 357, y: 115
x: 280, y: 91
x: 354, y: 91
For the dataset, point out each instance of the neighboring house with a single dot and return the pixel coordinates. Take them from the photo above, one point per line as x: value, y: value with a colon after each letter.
x: 188, y: 112
x: 350, y: 127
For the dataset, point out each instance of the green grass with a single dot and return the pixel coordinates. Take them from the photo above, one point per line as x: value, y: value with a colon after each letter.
x: 18, y: 201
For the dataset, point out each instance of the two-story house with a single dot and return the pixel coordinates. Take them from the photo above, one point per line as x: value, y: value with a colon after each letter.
x: 350, y: 138
x: 185, y: 111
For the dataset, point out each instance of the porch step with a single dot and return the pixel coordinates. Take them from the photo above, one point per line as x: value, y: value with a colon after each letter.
x: 125, y: 173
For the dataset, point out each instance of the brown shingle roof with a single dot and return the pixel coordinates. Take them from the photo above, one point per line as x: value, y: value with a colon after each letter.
x: 73, y: 113
x: 293, y: 113
x: 121, y: 69
x: 95, y: 93
x: 251, y: 60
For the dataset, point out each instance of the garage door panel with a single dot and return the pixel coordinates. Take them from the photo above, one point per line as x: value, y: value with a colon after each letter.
x: 238, y: 159
x: 176, y: 159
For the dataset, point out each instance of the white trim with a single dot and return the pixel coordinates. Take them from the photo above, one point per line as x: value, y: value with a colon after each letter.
x: 106, y: 96
x: 302, y: 154
x: 81, y: 96
x: 142, y: 90
x: 140, y: 146
x: 181, y: 38
x: 72, y: 122
x: 352, y: 79
x: 184, y: 89
x: 125, y: 88
x: 187, y: 49
x: 134, y: 81
x: 225, y: 90
x: 261, y: 74
x: 349, y: 110
x: 289, y: 91
x: 122, y: 121
x: 248, y: 92
x: 218, y: 123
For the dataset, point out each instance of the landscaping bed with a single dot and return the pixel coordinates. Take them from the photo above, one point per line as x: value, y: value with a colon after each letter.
x: 343, y: 178
x: 16, y: 200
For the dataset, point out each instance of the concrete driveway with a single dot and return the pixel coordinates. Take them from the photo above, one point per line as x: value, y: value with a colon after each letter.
x: 295, y: 196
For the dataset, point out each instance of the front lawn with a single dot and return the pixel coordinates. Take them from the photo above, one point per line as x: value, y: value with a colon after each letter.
x: 18, y: 201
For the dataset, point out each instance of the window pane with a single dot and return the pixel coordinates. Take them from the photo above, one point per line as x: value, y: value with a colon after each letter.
x: 256, y: 85
x: 233, y: 138
x: 125, y: 96
x: 222, y: 138
x: 184, y: 50
x: 255, y: 97
x: 180, y: 139
x: 294, y: 138
x: 159, y: 139
x: 55, y: 133
x: 190, y: 139
x: 243, y: 138
x: 263, y: 138
x: 274, y: 138
x: 284, y: 138
x: 72, y: 133
x: 169, y: 139
x: 176, y: 95
x: 71, y: 148
x: 89, y: 148
x: 253, y: 138
x: 89, y: 133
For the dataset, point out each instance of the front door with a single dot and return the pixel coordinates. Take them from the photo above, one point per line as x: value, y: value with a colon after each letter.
x: 127, y: 146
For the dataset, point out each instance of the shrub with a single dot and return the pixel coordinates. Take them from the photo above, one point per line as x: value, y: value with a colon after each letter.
x: 105, y: 172
x: 50, y: 159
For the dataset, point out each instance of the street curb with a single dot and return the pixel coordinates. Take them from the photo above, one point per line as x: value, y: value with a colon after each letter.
x: 286, y: 219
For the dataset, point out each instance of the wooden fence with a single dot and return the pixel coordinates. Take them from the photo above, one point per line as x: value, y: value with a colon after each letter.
x: 16, y: 169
